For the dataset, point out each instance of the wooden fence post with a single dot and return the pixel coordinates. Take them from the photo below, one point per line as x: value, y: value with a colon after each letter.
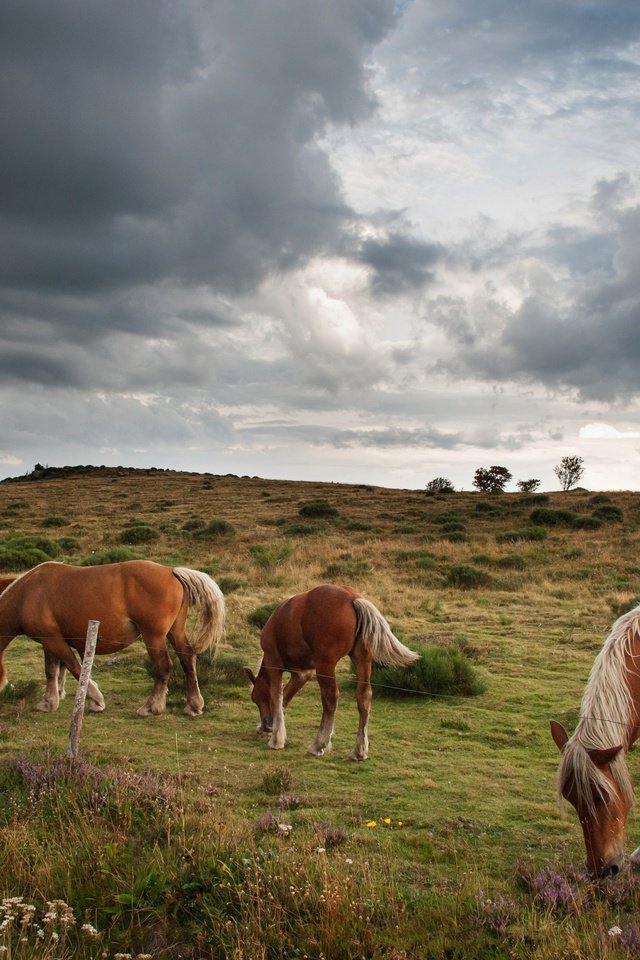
x: 83, y: 683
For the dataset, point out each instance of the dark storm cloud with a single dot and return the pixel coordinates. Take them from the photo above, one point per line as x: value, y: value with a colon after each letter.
x: 400, y: 263
x: 161, y: 140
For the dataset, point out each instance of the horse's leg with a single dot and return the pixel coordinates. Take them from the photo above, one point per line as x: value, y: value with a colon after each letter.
x: 295, y: 684
x: 362, y: 662
x: 161, y: 664
x: 329, y: 692
x: 51, y: 699
x: 62, y: 676
x: 195, y: 701
x: 278, y: 736
x: 4, y: 643
x: 57, y: 649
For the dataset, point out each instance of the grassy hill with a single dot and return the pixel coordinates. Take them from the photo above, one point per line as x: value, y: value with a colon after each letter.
x: 181, y: 837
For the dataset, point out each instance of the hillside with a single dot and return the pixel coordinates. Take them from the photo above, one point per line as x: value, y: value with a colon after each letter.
x: 525, y: 586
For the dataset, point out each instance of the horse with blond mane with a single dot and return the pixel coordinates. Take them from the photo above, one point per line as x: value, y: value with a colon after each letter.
x: 593, y: 774
x: 311, y: 632
x: 53, y: 602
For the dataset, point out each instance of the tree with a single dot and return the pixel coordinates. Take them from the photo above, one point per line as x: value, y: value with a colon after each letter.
x: 440, y: 485
x: 493, y: 480
x: 527, y: 486
x: 569, y: 471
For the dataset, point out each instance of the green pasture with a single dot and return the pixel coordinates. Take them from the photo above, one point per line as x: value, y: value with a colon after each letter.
x: 312, y: 867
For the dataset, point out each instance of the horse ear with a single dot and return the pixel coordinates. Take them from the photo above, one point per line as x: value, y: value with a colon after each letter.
x: 559, y: 734
x: 250, y: 674
x: 602, y: 757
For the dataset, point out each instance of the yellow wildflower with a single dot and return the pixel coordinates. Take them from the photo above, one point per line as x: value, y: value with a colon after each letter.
x: 372, y: 823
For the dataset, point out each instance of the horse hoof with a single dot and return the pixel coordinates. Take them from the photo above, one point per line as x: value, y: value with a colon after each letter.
x: 356, y: 756
x: 192, y: 712
x: 94, y: 707
x: 316, y: 751
x: 45, y: 707
x: 275, y: 746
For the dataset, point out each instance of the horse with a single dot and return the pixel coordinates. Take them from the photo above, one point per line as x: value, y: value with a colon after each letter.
x: 53, y: 602
x: 593, y: 774
x: 313, y: 631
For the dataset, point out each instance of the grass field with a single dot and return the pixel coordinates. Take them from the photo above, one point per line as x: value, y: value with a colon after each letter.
x: 189, y: 838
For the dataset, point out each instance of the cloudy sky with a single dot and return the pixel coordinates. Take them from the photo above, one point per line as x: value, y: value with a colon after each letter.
x: 349, y: 240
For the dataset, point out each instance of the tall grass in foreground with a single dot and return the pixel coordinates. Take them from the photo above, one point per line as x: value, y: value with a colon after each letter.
x: 110, y: 863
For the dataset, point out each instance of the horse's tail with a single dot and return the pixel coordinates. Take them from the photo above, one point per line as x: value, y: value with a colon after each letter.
x: 375, y: 634
x: 207, y: 596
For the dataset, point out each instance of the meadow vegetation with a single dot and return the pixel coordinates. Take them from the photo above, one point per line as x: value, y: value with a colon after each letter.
x: 174, y: 837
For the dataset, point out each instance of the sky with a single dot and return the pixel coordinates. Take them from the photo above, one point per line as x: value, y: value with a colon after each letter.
x: 369, y: 241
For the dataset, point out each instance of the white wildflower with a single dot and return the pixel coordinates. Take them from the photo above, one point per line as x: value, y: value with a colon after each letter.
x: 614, y: 931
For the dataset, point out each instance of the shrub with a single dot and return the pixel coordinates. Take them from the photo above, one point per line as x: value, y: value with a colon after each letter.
x: 68, y: 544
x: 229, y: 584
x: 609, y: 513
x: 440, y: 485
x: 466, y: 577
x: 586, y: 523
x: 114, y: 555
x: 23, y: 552
x: 346, y: 567
x: 552, y: 518
x: 138, y: 533
x: 456, y: 536
x: 270, y: 556
x: 440, y: 671
x: 216, y: 528
x: 192, y: 524
x: 259, y: 616
x: 527, y: 486
x: 55, y: 522
x: 299, y: 530
x: 318, y: 508
x: 511, y: 561
x: 528, y: 534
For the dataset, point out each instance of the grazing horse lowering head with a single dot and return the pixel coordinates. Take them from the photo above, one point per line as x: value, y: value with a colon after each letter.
x: 262, y: 699
x: 590, y: 781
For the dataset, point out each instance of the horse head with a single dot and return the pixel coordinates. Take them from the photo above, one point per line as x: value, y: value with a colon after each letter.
x: 261, y: 697
x: 588, y: 782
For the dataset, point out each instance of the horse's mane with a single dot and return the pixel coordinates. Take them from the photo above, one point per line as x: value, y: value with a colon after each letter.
x: 607, y: 719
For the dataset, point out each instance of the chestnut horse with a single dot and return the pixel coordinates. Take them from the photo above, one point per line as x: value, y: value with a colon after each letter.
x: 53, y: 602
x: 593, y: 774
x: 312, y: 631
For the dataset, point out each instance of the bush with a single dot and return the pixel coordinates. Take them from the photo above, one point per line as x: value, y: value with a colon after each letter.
x: 23, y: 552
x: 318, y: 508
x: 138, y: 533
x: 69, y: 544
x: 193, y: 524
x: 440, y: 485
x: 55, y: 522
x: 528, y: 534
x: 259, y: 616
x: 439, y: 671
x: 466, y: 577
x: 216, y: 528
x: 586, y: 523
x: 114, y: 555
x: 609, y: 513
x: 270, y: 556
x: 346, y: 567
x: 552, y: 518
x: 299, y: 530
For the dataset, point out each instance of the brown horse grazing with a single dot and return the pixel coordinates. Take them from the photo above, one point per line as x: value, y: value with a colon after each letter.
x: 312, y: 631
x: 593, y: 774
x: 54, y: 602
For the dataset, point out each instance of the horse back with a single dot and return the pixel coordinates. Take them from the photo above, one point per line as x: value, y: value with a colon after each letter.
x: 116, y: 594
x: 316, y: 626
